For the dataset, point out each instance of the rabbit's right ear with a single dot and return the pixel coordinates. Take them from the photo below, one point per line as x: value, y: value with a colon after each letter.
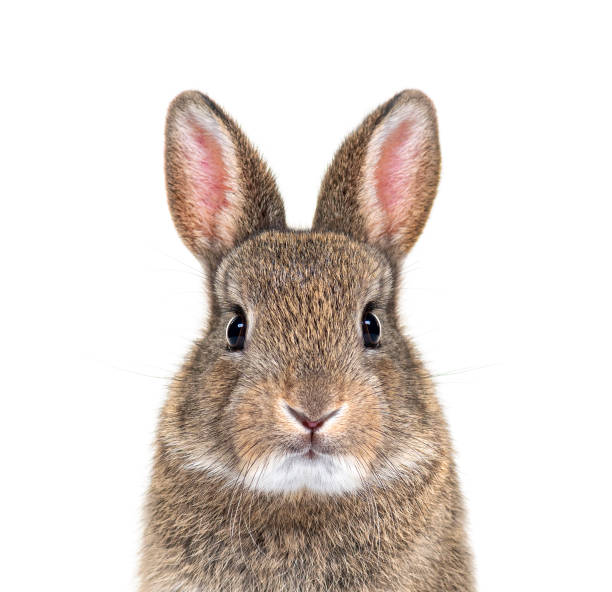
x: 219, y: 190
x: 382, y: 182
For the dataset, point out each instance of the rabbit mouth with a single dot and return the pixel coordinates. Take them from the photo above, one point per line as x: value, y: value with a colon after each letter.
x: 312, y: 452
x: 312, y: 470
x: 312, y: 447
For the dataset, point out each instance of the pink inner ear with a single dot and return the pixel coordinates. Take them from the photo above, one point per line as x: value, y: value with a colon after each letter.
x: 207, y: 175
x: 395, y: 173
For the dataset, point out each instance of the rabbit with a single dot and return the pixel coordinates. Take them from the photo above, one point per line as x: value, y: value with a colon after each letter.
x: 302, y: 447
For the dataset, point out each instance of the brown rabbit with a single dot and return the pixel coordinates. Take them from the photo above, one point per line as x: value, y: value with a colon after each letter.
x: 302, y: 447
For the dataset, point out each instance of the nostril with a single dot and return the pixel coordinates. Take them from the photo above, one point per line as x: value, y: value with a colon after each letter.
x: 313, y: 425
x: 307, y: 422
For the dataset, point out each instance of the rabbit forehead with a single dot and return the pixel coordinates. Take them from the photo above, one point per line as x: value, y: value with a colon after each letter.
x: 273, y: 267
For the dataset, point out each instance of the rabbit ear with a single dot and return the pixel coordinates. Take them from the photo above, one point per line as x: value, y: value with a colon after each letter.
x: 383, y: 179
x: 219, y: 189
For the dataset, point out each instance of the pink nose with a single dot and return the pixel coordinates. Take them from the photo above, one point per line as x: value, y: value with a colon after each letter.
x: 307, y: 422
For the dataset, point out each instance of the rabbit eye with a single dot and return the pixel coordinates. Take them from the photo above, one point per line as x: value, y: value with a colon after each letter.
x: 236, y: 332
x: 370, y: 326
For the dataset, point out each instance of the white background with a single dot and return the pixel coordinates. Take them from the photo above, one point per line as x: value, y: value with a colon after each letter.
x: 507, y: 293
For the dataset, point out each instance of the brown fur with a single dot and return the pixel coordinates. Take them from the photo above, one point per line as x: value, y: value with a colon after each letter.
x: 304, y: 292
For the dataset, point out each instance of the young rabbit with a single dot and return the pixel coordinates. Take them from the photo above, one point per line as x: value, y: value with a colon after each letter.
x: 302, y: 447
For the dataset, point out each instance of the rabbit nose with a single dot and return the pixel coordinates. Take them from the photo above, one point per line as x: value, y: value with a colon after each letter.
x: 308, y: 423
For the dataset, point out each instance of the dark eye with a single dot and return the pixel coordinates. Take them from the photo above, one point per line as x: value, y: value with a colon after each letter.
x: 236, y: 332
x: 370, y: 326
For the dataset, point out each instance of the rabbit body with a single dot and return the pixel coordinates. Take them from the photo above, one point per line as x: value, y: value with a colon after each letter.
x: 315, y: 455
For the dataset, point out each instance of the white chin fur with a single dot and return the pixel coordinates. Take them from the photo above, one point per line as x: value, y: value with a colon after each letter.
x: 322, y: 474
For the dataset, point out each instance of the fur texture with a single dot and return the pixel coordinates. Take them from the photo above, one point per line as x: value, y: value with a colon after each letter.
x: 243, y: 496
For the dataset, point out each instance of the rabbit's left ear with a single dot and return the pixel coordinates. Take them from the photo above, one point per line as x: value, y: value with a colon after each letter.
x: 220, y: 191
x: 382, y: 182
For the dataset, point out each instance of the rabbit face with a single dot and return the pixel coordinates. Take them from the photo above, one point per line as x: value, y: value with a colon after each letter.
x: 305, y: 404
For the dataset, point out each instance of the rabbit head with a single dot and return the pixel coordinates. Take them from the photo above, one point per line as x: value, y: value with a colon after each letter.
x: 302, y: 380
